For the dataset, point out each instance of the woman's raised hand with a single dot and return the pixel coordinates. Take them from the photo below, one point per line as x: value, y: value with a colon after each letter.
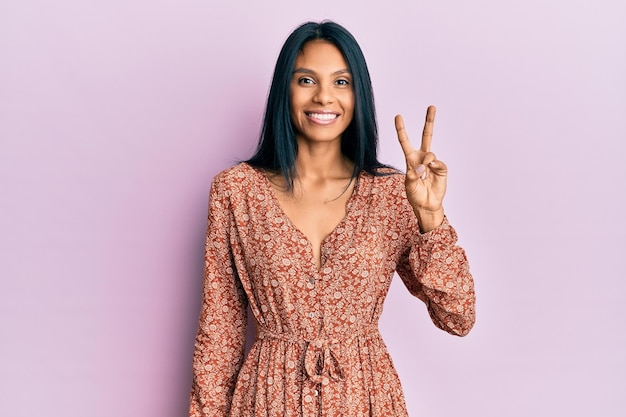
x: 425, y: 175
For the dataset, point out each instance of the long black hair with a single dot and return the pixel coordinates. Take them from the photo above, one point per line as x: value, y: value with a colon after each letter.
x: 277, y: 147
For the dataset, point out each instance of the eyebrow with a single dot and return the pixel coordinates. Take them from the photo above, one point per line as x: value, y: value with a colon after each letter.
x: 309, y: 71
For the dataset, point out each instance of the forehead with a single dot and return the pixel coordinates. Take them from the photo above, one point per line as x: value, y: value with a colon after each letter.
x: 320, y: 54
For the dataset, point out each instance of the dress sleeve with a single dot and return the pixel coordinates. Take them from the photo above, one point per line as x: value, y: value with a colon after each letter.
x: 436, y: 271
x: 220, y: 342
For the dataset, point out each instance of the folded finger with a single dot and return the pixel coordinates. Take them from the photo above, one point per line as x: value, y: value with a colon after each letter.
x: 438, y: 167
x: 428, y: 158
x: 427, y: 161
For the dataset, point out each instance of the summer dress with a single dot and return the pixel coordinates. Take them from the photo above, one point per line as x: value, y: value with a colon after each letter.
x: 318, y: 351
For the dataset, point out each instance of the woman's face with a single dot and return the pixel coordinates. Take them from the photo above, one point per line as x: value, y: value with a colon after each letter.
x: 322, y: 98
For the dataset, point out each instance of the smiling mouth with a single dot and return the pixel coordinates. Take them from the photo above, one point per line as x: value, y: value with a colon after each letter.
x: 322, y: 116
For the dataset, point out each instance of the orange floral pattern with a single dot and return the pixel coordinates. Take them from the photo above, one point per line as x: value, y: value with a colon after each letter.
x: 318, y: 351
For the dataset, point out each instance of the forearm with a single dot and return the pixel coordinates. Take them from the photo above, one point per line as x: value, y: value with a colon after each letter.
x: 216, y: 363
x: 446, y: 281
x: 437, y: 272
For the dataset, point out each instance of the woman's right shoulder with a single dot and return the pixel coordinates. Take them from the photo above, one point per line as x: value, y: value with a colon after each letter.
x: 234, y: 174
x: 237, y: 176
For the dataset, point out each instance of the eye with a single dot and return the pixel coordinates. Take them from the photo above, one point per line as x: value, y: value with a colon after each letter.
x: 305, y: 81
x: 342, y: 82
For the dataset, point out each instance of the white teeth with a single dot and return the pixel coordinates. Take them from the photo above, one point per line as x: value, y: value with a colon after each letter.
x: 323, y: 116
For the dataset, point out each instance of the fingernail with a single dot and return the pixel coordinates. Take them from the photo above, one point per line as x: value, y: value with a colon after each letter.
x: 420, y: 169
x: 431, y: 163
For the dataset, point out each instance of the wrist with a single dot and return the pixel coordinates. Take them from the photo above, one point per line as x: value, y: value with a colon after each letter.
x: 429, y: 219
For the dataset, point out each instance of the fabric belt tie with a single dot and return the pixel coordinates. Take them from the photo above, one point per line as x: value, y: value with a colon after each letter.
x: 322, y: 351
x: 321, y: 359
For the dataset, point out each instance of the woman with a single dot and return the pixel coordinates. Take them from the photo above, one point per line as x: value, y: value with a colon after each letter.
x: 309, y: 233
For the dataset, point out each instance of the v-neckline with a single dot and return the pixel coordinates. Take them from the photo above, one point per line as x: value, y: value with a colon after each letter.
x: 287, y: 219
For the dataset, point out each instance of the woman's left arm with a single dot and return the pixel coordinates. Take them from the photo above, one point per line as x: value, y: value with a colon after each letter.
x: 436, y: 269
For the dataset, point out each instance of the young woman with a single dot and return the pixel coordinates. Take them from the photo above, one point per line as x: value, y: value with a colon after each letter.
x: 309, y: 233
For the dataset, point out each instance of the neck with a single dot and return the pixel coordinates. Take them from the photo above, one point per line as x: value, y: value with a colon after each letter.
x: 322, y: 161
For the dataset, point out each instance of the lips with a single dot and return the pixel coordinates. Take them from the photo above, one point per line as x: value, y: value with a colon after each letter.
x: 321, y: 117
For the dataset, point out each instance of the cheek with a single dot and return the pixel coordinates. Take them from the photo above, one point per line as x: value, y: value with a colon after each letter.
x: 297, y: 101
x: 295, y: 114
x: 349, y: 102
x: 349, y: 107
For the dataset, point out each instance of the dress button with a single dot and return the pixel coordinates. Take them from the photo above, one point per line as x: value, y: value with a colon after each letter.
x: 312, y: 315
x: 316, y: 392
x: 312, y: 280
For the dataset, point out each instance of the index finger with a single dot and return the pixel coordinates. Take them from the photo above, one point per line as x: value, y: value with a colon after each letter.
x: 403, y: 138
x: 427, y: 134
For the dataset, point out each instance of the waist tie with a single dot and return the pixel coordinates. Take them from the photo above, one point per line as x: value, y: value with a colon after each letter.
x: 321, y: 351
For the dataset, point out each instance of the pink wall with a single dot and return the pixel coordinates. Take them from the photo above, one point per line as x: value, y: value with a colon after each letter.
x: 115, y: 115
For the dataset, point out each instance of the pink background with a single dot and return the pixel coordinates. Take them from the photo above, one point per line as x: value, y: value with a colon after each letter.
x: 115, y: 115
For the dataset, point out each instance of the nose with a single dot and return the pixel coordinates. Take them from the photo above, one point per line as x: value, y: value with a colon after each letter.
x: 323, y: 95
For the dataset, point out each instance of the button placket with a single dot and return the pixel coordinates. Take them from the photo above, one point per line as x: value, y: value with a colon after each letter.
x: 311, y: 283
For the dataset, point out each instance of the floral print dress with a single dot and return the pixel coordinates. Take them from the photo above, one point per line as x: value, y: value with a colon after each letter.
x: 318, y: 351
